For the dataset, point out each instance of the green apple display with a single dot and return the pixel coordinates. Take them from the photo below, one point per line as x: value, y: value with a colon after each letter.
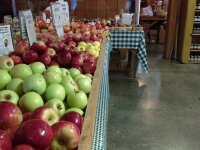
x: 64, y: 72
x: 21, y: 71
x: 54, y: 68
x: 16, y: 85
x: 84, y: 84
x: 57, y: 105
x: 82, y: 44
x: 6, y: 63
x: 77, y: 100
x: 30, y: 101
x: 37, y: 67
x: 55, y: 91
x: 10, y: 96
x: 78, y: 76
x: 74, y: 71
x: 36, y: 83
x: 5, y: 78
x: 75, y: 110
x: 69, y: 85
x: 52, y: 77
x: 80, y: 48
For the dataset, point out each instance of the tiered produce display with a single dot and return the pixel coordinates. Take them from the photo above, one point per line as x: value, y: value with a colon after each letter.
x: 44, y: 87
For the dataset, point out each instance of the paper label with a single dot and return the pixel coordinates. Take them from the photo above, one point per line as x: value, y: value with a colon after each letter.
x: 22, y: 23
x: 30, y: 26
x: 60, y: 31
x: 65, y: 13
x: 6, y: 44
x: 56, y: 14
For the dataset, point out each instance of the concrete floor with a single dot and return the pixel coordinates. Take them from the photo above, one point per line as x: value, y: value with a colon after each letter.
x: 163, y: 114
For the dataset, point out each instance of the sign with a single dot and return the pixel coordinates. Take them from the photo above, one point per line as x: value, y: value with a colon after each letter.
x: 57, y: 19
x: 65, y: 13
x: 6, y: 44
x: 27, y: 26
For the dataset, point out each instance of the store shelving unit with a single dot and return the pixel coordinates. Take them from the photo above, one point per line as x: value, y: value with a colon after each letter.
x: 189, y: 37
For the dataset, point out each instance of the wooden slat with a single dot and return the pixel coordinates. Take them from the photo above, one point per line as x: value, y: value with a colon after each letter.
x: 91, y: 9
x: 121, y: 4
x: 111, y: 8
x: 90, y: 115
x: 101, y: 11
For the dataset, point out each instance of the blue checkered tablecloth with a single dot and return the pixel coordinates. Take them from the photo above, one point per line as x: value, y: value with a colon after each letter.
x: 100, y: 130
x: 128, y: 40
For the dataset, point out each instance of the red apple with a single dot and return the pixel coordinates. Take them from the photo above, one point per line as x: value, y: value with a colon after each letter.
x: 77, y: 36
x: 23, y: 147
x: 64, y: 57
x: 12, y: 131
x: 29, y: 56
x: 66, y: 136
x: 59, y: 46
x: 93, y: 37
x: 66, y: 28
x: 45, y: 59
x: 71, y: 49
x: 85, y: 37
x: 40, y: 23
x: 36, y: 133
x: 39, y: 47
x: 78, y: 30
x: 51, y: 28
x: 90, y: 58
x: 72, y: 43
x: 5, y: 140
x: 49, y: 43
x: 21, y: 47
x: 47, y: 114
x: 70, y: 33
x: 16, y: 59
x: 10, y: 115
x: 73, y: 117
x: 75, y: 25
x: 77, y: 60
x: 89, y: 67
x: 53, y: 63
x: 26, y: 116
x: 51, y: 52
x: 68, y: 39
x: 77, y: 67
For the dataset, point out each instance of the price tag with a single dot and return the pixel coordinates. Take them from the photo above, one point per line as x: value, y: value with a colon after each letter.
x: 65, y: 13
x: 30, y: 26
x: 6, y: 44
x: 27, y: 26
x: 60, y: 31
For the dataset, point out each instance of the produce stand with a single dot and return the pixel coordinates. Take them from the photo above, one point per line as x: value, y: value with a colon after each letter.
x: 93, y: 134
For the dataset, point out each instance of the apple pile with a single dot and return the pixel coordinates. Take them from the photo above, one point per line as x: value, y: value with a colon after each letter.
x: 41, y: 108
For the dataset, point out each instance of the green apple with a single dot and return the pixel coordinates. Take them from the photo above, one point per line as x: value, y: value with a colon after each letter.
x: 52, y: 77
x: 34, y: 83
x: 89, y: 45
x: 80, y: 48
x: 16, y: 85
x: 97, y: 48
x: 4, y: 78
x: 21, y: 71
x: 54, y: 68
x: 57, y: 105
x: 96, y: 43
x: 37, y: 67
x: 75, y: 110
x: 79, y: 76
x: 92, y: 51
x: 84, y: 84
x: 78, y: 100
x: 55, y: 91
x: 69, y: 85
x: 67, y: 77
x: 64, y: 72
x: 82, y: 44
x: 74, y: 71
x: 30, y: 101
x: 6, y: 63
x: 8, y: 95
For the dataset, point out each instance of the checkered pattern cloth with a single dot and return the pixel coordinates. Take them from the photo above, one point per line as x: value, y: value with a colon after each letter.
x: 131, y: 39
x: 100, y: 130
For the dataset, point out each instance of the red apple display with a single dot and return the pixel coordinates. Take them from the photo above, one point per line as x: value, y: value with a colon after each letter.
x: 77, y: 60
x: 51, y: 52
x: 45, y: 59
x: 73, y: 117
x: 36, y: 133
x: 16, y: 59
x: 47, y: 114
x: 10, y: 115
x: 21, y: 47
x: 77, y: 36
x: 26, y: 116
x: 59, y: 46
x: 39, y: 47
x: 29, y: 57
x: 40, y: 23
x: 5, y: 140
x: 64, y: 57
x: 23, y: 147
x: 89, y: 67
x: 66, y: 136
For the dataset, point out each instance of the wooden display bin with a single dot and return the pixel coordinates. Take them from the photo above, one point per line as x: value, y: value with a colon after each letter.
x: 91, y: 110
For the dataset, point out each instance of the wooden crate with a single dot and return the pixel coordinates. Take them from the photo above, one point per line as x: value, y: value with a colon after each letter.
x: 91, y: 110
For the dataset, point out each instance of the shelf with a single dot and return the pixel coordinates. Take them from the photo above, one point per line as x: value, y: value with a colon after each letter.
x: 197, y: 22
x: 196, y: 34
x: 197, y: 10
x: 194, y: 61
x: 194, y: 50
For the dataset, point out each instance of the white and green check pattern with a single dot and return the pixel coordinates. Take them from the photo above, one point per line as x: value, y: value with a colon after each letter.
x: 131, y: 39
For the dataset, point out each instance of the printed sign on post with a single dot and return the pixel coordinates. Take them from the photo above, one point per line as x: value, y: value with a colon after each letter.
x: 57, y: 19
x: 27, y: 26
x: 6, y: 44
x: 65, y: 13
